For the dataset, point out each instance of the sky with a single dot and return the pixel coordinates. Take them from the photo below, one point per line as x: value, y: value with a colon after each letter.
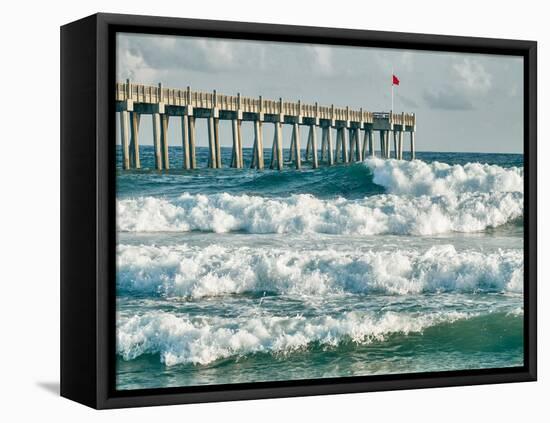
x: 463, y: 102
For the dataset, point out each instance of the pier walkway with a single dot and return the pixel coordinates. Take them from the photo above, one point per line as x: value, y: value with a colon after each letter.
x: 354, y: 129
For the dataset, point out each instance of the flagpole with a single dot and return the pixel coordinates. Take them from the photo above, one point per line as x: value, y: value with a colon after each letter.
x: 391, y: 90
x: 392, y: 96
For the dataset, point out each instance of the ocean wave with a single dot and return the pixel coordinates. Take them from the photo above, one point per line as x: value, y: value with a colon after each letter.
x: 180, y: 340
x: 421, y: 199
x: 190, y: 271
x: 418, y: 178
x: 303, y: 213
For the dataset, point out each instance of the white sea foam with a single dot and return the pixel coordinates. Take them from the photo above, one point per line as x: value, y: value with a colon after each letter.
x: 422, y: 199
x: 178, y: 339
x: 190, y: 271
x: 381, y: 214
x: 419, y: 178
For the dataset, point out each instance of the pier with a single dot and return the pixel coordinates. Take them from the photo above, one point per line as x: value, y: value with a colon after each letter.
x: 354, y: 129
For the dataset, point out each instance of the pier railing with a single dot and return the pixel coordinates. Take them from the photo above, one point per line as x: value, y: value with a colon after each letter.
x: 152, y: 94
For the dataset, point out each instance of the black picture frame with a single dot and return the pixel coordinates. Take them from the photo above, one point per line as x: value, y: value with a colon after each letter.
x: 88, y: 209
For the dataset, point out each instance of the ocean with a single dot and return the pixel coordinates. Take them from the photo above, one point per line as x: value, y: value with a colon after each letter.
x: 380, y: 267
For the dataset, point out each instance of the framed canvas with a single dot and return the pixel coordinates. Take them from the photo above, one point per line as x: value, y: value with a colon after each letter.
x: 256, y: 211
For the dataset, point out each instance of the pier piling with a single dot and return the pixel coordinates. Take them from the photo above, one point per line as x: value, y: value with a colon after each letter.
x: 124, y: 139
x: 185, y: 141
x: 345, y: 157
x: 164, y: 141
x: 330, y: 147
x: 212, y: 161
x: 134, y: 140
x: 279, y: 147
x: 313, y: 135
x: 192, y: 151
x: 352, y: 144
x: 401, y: 137
x: 324, y: 145
x: 395, y: 148
x: 296, y: 138
x: 217, y: 143
x: 258, y: 153
x: 156, y: 141
x: 366, y: 143
x: 235, y: 159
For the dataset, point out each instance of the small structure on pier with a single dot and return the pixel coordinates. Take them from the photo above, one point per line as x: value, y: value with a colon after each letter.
x: 354, y: 128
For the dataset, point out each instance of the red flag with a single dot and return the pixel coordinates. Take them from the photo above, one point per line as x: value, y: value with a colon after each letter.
x: 395, y: 80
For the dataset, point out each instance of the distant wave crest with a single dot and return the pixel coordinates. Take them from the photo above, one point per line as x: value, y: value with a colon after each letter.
x: 419, y: 178
x: 190, y: 271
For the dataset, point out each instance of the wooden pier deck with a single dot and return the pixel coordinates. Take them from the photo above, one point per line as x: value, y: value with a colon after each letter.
x: 354, y: 128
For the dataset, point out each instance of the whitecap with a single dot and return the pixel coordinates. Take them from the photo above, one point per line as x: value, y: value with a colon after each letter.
x: 191, y: 271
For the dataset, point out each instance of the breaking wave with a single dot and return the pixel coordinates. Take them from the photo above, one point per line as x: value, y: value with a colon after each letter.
x: 420, y: 199
x: 418, y: 178
x: 190, y: 271
x: 180, y: 340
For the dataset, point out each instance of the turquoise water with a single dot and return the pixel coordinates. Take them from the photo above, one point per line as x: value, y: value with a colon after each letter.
x: 381, y: 267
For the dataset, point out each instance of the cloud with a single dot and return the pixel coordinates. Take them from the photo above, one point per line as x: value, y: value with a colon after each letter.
x: 447, y: 99
x: 131, y: 64
x: 322, y: 60
x: 406, y: 101
x: 467, y: 85
x: 161, y: 54
x: 472, y: 75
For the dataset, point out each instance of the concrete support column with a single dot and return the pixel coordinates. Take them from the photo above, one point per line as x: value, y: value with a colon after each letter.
x: 400, y: 143
x: 240, y: 139
x: 395, y: 148
x: 258, y: 154
x: 192, y: 152
x: 254, y: 149
x: 164, y: 141
x: 235, y: 161
x: 279, y: 135
x: 291, y: 150
x: 313, y: 136
x: 134, y: 140
x: 273, y: 148
x: 217, y: 143
x: 371, y: 144
x: 297, y: 158
x: 330, y: 147
x: 308, y: 145
x: 156, y: 141
x: 412, y: 146
x: 352, y: 144
x: 338, y: 144
x: 212, y: 161
x: 124, y: 139
x: 366, y: 144
x: 185, y: 141
x: 358, y: 148
x: 323, y: 144
x: 345, y: 157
